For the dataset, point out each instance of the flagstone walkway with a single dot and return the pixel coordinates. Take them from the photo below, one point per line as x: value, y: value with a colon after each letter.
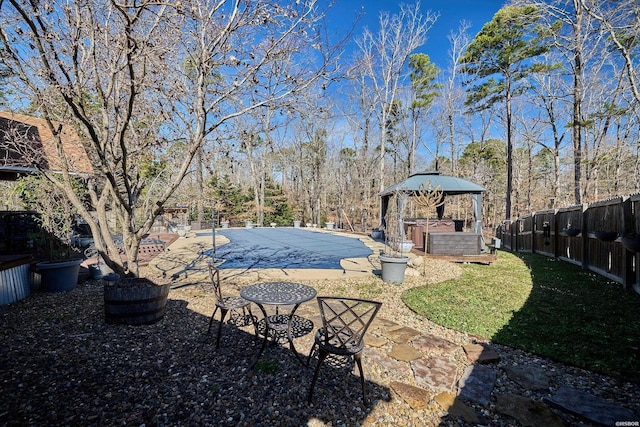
x: 423, y: 367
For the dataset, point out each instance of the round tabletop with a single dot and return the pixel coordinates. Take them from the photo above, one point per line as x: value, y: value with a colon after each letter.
x: 278, y: 293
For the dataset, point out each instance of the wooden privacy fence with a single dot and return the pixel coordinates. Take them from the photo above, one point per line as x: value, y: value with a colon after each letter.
x: 603, y: 237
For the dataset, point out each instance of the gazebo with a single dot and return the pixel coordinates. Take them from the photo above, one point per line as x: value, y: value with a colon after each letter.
x: 449, y: 240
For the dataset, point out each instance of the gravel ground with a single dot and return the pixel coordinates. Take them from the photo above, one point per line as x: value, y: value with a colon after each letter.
x: 62, y: 365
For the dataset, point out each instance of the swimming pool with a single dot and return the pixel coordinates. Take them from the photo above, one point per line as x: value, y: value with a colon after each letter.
x: 287, y: 248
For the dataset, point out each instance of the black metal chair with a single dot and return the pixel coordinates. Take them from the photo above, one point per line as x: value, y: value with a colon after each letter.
x: 344, y: 323
x: 228, y: 304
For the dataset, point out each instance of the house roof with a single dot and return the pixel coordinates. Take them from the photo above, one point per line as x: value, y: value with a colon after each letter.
x: 27, y: 144
x: 429, y: 181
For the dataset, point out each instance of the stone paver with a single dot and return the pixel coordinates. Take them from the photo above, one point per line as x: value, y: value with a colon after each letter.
x: 382, y: 323
x: 374, y: 340
x: 392, y: 365
x: 481, y: 353
x: 530, y: 377
x: 405, y: 353
x: 402, y: 334
x: 438, y: 373
x: 590, y: 407
x: 416, y: 397
x: 528, y: 412
x: 449, y: 402
x: 431, y: 344
x: 477, y: 383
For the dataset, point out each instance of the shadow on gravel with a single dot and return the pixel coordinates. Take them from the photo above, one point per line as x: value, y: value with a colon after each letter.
x: 62, y: 365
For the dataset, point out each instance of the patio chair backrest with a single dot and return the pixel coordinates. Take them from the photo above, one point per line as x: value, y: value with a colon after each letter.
x: 214, y: 276
x: 346, y: 320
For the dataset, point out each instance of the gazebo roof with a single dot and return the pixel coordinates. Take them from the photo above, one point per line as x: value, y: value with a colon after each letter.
x: 430, y: 180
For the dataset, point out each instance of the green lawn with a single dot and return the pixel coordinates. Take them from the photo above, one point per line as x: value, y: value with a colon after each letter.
x: 545, y: 306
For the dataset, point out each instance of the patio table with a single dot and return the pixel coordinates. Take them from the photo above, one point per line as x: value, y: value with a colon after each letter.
x: 278, y: 294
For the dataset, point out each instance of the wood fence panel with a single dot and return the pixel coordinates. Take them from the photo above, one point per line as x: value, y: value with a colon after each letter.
x: 569, y: 234
x: 605, y: 218
x: 603, y: 225
x: 506, y: 235
x: 544, y: 236
x: 603, y: 237
x: 631, y: 242
x: 606, y: 259
x: 524, y: 233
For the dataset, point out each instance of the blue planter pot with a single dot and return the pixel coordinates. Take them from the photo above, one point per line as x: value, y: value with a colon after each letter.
x: 59, y: 276
x: 377, y: 234
x: 95, y: 272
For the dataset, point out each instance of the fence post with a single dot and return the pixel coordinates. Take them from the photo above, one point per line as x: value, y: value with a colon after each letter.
x: 585, y: 236
x: 628, y: 275
x: 534, y: 230
x: 556, y: 233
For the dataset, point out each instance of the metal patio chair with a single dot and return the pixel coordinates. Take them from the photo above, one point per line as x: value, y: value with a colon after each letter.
x: 228, y: 304
x: 344, y: 323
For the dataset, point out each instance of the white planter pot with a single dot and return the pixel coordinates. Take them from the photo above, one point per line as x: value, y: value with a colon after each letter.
x: 404, y: 246
x: 329, y: 225
x: 393, y: 268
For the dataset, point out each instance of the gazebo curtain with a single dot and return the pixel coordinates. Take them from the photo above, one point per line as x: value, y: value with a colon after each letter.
x: 477, y: 211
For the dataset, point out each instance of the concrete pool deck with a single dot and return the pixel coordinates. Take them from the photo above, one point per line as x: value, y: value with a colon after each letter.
x: 187, y: 257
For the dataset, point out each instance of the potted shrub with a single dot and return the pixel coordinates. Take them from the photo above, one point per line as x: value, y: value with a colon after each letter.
x: 429, y: 198
x: 59, y: 264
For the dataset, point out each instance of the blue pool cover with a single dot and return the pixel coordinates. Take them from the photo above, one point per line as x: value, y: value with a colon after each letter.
x: 286, y: 248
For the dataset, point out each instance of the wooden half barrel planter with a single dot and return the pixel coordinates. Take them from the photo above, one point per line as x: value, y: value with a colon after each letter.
x: 134, y: 300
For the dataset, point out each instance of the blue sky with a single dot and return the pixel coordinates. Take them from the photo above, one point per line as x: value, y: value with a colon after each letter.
x: 477, y: 12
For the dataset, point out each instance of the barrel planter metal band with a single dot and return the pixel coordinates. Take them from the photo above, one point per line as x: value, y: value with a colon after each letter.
x: 134, y: 301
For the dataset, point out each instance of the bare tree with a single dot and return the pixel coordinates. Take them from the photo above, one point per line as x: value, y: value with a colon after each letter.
x: 384, y: 58
x: 574, y: 37
x: 135, y: 78
x: 620, y: 21
x: 549, y: 94
x: 359, y: 112
x: 452, y: 92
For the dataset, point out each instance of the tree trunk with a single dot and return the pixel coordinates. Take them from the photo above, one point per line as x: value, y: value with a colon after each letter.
x: 577, y: 105
x: 507, y: 205
x: 200, y: 186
